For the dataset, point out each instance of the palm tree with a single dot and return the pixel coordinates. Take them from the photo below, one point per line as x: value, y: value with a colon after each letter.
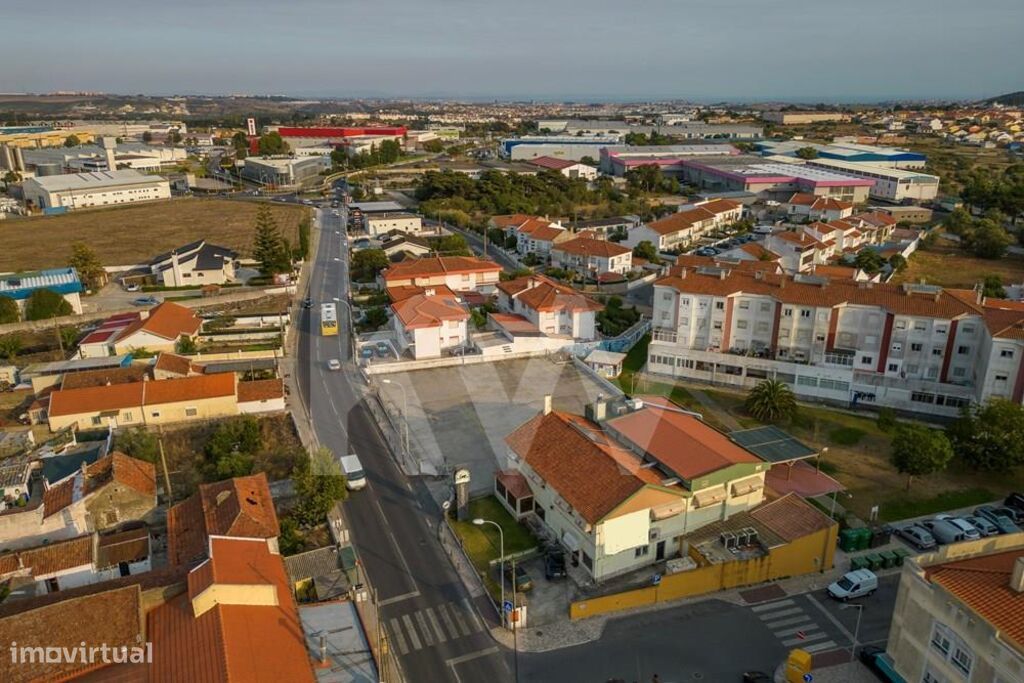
x: 771, y: 401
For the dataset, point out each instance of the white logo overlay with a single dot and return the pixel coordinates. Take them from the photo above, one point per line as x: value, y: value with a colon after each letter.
x: 82, y: 654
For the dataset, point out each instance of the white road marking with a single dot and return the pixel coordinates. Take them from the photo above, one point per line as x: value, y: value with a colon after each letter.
x: 396, y: 635
x: 394, y: 542
x: 441, y: 636
x: 441, y: 609
x: 473, y: 616
x: 399, y: 598
x: 413, y: 637
x: 809, y: 636
x: 818, y: 647
x: 807, y: 627
x: 455, y: 661
x: 428, y: 637
x: 781, y: 613
x: 788, y: 622
x: 771, y: 605
x: 838, y: 624
x: 459, y: 619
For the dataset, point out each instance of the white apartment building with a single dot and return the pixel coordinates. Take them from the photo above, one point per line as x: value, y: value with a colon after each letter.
x: 683, y: 227
x: 892, y: 184
x: 554, y: 309
x: 912, y: 347
x: 381, y: 223
x: 430, y: 323
x: 592, y: 257
x: 84, y: 190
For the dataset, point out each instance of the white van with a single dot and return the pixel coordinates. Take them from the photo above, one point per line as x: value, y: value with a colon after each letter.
x: 355, y: 477
x: 855, y: 584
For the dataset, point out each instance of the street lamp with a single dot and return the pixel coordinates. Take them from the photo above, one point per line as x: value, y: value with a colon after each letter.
x: 405, y: 411
x: 479, y: 521
x: 832, y: 512
x: 856, y: 631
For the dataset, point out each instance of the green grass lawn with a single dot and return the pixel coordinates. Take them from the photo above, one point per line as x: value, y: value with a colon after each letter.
x: 482, y: 543
x: 902, y: 507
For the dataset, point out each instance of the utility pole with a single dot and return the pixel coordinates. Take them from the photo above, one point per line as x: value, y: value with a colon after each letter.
x: 167, y: 477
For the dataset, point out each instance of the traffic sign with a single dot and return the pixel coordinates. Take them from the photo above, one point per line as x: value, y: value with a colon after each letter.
x: 808, y: 678
x: 656, y: 579
x: 507, y: 606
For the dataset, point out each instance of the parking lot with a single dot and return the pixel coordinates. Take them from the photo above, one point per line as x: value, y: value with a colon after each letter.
x: 461, y: 415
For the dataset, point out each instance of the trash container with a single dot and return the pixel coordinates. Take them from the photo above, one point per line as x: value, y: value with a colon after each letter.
x: 874, y: 561
x: 888, y: 559
x: 863, y: 538
x: 880, y: 536
x: 848, y: 540
x: 901, y: 554
x: 858, y: 562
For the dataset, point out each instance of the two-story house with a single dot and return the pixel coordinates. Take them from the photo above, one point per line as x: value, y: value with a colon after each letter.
x: 679, y: 230
x: 431, y: 322
x: 457, y: 273
x: 592, y: 257
x: 554, y: 309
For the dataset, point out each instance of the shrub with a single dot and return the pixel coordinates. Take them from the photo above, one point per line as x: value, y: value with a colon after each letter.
x: 846, y: 436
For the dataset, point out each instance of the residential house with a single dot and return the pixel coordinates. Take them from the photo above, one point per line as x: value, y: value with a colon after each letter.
x: 430, y: 323
x: 159, y: 329
x: 261, y: 396
x: 457, y: 273
x: 379, y: 224
x: 607, y: 227
x: 679, y: 230
x: 810, y: 207
x: 194, y: 264
x: 533, y: 234
x: 799, y: 251
x: 592, y: 257
x: 622, y: 487
x: 398, y: 246
x: 554, y: 309
x: 567, y: 167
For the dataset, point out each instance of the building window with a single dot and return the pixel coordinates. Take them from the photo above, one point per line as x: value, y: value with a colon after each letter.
x: 719, y: 305
x: 1006, y: 353
x: 788, y: 312
x: 893, y: 367
x: 191, y: 412
x: 940, y: 641
x: 963, y: 350
x: 1000, y: 378
x: 962, y: 660
x: 587, y: 562
x: 937, y: 352
x: 967, y: 329
x: 916, y: 347
x: 97, y: 421
x: 744, y: 305
x: 741, y: 324
x: 765, y: 306
x: 805, y: 313
x: 959, y: 372
x: 641, y: 551
x: 865, y: 360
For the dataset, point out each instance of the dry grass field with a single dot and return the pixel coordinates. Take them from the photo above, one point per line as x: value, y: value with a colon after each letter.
x: 132, y: 234
x: 949, y: 266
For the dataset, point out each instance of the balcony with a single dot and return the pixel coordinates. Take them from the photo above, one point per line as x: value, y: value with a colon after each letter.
x: 663, y: 334
x: 840, y: 358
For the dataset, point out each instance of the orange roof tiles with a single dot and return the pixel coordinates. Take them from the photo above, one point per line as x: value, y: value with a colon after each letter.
x: 194, y: 388
x: 983, y: 584
x: 553, y: 163
x: 137, y: 394
x: 791, y: 517
x: 543, y: 294
x: 583, y: 246
x: 52, y: 558
x: 546, y: 233
x: 684, y: 219
x: 402, y: 292
x: 438, y: 265
x: 260, y: 390
x: 421, y: 310
x: 678, y: 440
x: 167, y: 320
x: 175, y: 364
x: 100, y: 378
x: 511, y: 220
x: 116, y: 467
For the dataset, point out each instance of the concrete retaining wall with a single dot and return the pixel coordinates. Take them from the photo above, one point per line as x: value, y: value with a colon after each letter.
x: 405, y: 366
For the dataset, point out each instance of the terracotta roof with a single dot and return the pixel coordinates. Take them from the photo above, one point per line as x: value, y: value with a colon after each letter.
x: 689, y: 261
x: 591, y: 247
x: 574, y: 457
x: 511, y: 220
x: 547, y: 233
x: 192, y: 388
x: 514, y: 482
x: 438, y: 265
x: 681, y: 442
x: 123, y: 546
x: 543, y: 294
x: 553, y: 163
x: 96, y: 399
x: 515, y: 324
x: 421, y: 310
x: 800, y: 238
x: 983, y: 584
x: 51, y: 558
x: 802, y: 199
x: 232, y: 642
x: 758, y: 251
x: 819, y: 203
x: 260, y: 390
x: 116, y: 467
x: 838, y: 272
x: 103, y: 377
x: 684, y: 219
x: 178, y: 365
x: 240, y: 507
x: 403, y: 292
x: 167, y: 320
x: 791, y: 517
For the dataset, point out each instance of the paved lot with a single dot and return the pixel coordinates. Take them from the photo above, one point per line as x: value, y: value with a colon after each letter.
x: 463, y: 414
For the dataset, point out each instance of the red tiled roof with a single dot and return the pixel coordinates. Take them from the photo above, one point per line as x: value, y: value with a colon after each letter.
x: 791, y: 517
x: 421, y: 310
x: 260, y: 390
x: 803, y: 199
x: 402, y: 292
x: 103, y: 377
x: 167, y: 320
x: 543, y: 294
x: 591, y: 247
x: 52, y: 558
x: 190, y: 388
x: 438, y: 265
x: 678, y: 440
x: 553, y: 163
x: 514, y: 482
x: 173, y: 363
x: 546, y: 233
x: 684, y: 219
x: 983, y: 585
x: 115, y: 467
x: 510, y: 221
x: 514, y: 323
x: 137, y: 394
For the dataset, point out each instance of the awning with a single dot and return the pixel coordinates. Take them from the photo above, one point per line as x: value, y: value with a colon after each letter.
x: 570, y: 541
x: 667, y: 511
x: 742, y: 488
x: 710, y: 496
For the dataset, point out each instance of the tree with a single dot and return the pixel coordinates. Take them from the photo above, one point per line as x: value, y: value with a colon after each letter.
x: 918, y: 451
x: 433, y: 146
x: 367, y: 263
x: 269, y: 248
x: 869, y: 260
x: 186, y: 346
x: 771, y: 401
x: 147, y: 136
x: 319, y: 484
x: 897, y: 262
x: 646, y: 250
x: 10, y: 346
x: 84, y: 260
x: 588, y: 160
x: 647, y: 177
x: 992, y: 287
x: 272, y: 143
x: 989, y: 240
x: 174, y: 138
x: 990, y: 436
x: 807, y: 153
x: 68, y: 336
x: 138, y: 443
x: 958, y: 221
x: 375, y: 318
x: 241, y: 144
x: 453, y: 245
x: 11, y: 177
x: 230, y: 449
x: 44, y: 304
x: 72, y: 141
x: 9, y: 312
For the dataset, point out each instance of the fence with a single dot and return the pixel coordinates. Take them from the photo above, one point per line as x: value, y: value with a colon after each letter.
x: 392, y: 424
x: 453, y: 547
x: 613, y: 389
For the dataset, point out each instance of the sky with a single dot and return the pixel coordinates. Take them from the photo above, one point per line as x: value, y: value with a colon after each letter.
x: 700, y: 50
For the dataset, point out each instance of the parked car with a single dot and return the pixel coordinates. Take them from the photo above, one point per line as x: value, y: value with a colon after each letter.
x: 876, y: 659
x: 132, y: 287
x: 145, y: 301
x: 554, y: 565
x: 307, y: 303
x: 969, y: 531
x: 334, y: 364
x: 522, y: 582
x: 1002, y: 522
x: 917, y: 536
x: 1013, y: 514
x: 984, y: 526
x: 856, y: 584
x: 943, y: 531
x: 1016, y: 501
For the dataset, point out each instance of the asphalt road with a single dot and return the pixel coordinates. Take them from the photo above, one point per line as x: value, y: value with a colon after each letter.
x: 432, y: 625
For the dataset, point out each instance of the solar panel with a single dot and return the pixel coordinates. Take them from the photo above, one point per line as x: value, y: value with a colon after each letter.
x: 772, y: 444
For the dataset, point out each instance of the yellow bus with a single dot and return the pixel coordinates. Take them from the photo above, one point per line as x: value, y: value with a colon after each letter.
x: 328, y: 320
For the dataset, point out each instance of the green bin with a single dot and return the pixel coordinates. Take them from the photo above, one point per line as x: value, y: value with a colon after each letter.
x: 901, y: 554
x: 858, y: 562
x: 863, y: 538
x: 874, y: 561
x: 888, y: 558
x: 848, y: 540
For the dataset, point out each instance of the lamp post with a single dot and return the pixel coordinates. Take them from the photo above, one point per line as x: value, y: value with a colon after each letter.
x: 856, y: 631
x: 479, y: 521
x: 405, y: 411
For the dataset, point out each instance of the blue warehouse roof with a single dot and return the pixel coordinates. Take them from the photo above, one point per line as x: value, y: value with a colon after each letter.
x: 21, y: 285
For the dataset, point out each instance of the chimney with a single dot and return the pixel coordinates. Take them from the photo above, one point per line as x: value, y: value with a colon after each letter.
x: 600, y: 409
x: 547, y: 404
x: 722, y: 273
x: 1017, y: 578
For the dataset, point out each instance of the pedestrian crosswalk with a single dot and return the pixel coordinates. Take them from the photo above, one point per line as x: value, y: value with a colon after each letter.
x: 432, y: 626
x: 793, y: 626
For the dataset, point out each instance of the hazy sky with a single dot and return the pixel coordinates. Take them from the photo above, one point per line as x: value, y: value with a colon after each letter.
x: 836, y: 50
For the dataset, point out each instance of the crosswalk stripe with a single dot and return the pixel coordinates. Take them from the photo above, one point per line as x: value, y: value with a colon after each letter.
x: 806, y: 628
x: 459, y: 619
x: 788, y: 621
x: 771, y: 605
x: 473, y: 616
x: 818, y: 647
x: 441, y: 637
x: 781, y: 613
x: 447, y: 621
x: 811, y: 636
x: 413, y: 637
x: 396, y: 635
x: 424, y: 629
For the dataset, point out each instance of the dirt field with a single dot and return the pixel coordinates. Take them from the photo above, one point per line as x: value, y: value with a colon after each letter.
x: 951, y: 267
x: 132, y: 234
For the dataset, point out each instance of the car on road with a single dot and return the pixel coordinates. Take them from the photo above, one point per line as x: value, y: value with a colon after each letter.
x: 969, y: 531
x: 1013, y: 514
x: 984, y: 526
x: 917, y: 536
x: 334, y: 364
x: 132, y: 287
x: 856, y: 584
x: 1002, y: 522
x: 307, y: 303
x: 880, y: 664
x: 554, y: 565
x: 355, y: 476
x: 522, y: 582
x: 145, y: 301
x: 943, y: 531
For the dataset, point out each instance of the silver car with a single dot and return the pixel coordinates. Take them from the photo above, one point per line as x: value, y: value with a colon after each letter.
x: 970, y: 532
x: 984, y: 527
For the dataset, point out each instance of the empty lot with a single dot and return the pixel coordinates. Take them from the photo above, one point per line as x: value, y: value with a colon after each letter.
x: 128, y: 235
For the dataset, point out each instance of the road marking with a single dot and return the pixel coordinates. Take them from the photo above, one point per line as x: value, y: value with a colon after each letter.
x: 459, y: 619
x: 838, y: 624
x: 448, y: 621
x: 455, y: 661
x: 781, y: 613
x: 812, y: 636
x: 771, y: 605
x: 784, y: 622
x: 413, y: 637
x: 394, y: 542
x: 818, y: 647
x: 441, y: 637
x: 424, y: 629
x: 474, y: 618
x: 806, y: 626
x: 396, y: 635
x: 399, y: 598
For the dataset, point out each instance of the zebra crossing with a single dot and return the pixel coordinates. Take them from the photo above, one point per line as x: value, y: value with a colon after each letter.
x: 793, y: 626
x: 432, y: 626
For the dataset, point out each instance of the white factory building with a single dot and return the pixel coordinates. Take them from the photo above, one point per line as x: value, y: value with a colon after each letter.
x: 283, y: 170
x: 891, y: 184
x: 106, y: 188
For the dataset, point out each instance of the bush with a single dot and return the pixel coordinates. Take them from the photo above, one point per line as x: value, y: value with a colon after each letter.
x: 44, y: 304
x: 886, y: 419
x: 846, y: 436
x: 9, y: 312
